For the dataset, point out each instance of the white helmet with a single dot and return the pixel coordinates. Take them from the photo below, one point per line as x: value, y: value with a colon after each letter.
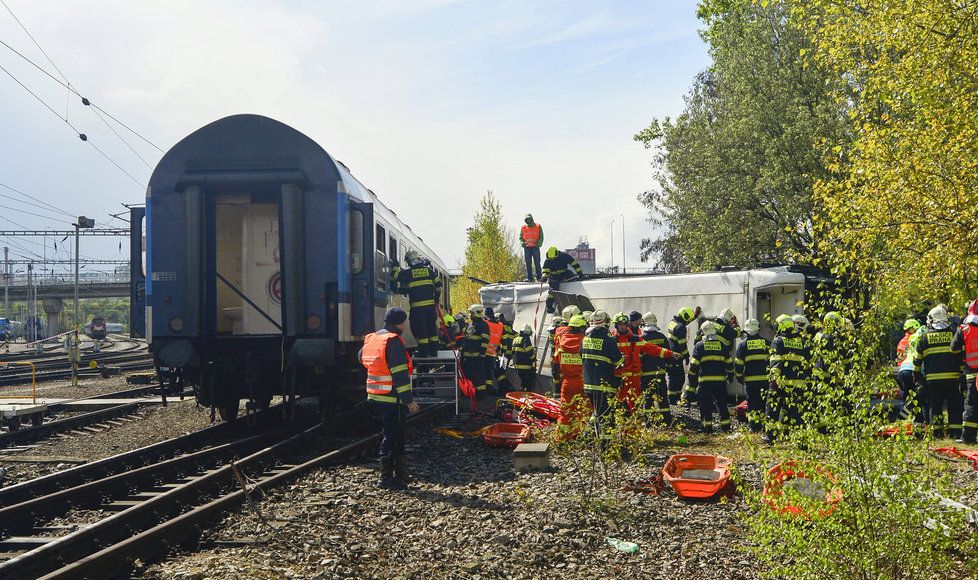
x: 528, y: 329
x: 599, y: 318
x: 477, y: 311
x: 411, y: 256
x: 649, y: 319
x: 569, y: 311
x: 801, y: 322
x: 727, y: 315
x: 752, y: 326
x: 708, y: 329
x: 937, y: 315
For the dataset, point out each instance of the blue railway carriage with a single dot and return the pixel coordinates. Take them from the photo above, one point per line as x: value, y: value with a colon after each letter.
x: 261, y: 263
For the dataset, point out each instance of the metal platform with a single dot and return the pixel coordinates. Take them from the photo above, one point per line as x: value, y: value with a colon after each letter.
x: 21, y: 409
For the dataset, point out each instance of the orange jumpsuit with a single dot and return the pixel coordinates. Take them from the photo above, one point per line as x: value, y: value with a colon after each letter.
x: 567, y: 362
x: 630, y: 373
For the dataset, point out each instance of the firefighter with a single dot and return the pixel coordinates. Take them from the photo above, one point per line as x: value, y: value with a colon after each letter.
x: 389, y: 369
x: 710, y: 369
x: 630, y: 373
x: 421, y: 284
x: 914, y: 395
x: 525, y: 358
x: 449, y: 332
x: 939, y: 364
x: 676, y: 333
x: 558, y: 267
x: 655, y: 355
x: 750, y: 366
x: 787, y: 377
x: 493, y: 373
x: 531, y: 238
x: 565, y: 315
x: 567, y: 365
x: 727, y: 330
x: 475, y: 346
x: 966, y: 341
x: 556, y: 323
x: 635, y: 323
x: 599, y: 359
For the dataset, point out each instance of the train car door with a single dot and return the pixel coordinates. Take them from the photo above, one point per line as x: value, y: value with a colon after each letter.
x: 137, y: 273
x: 363, y: 287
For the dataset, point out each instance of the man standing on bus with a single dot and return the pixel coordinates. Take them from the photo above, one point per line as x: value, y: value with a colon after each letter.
x: 531, y: 237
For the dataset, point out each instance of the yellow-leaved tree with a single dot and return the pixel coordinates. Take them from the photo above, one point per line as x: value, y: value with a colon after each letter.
x: 901, y: 211
x: 490, y: 254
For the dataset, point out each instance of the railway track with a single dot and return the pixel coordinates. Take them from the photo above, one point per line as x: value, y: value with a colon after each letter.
x: 138, y: 504
x: 58, y: 368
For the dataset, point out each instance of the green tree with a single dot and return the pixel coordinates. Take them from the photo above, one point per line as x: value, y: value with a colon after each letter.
x: 734, y: 171
x: 490, y: 253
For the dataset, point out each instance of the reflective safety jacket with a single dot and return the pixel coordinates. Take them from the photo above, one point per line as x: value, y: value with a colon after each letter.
x: 935, y: 358
x: 652, y: 364
x: 567, y: 355
x: 420, y: 283
x: 966, y: 340
x: 600, y: 357
x: 509, y: 335
x: 726, y: 333
x: 388, y: 367
x: 495, y: 338
x: 476, y: 338
x: 751, y: 362
x: 676, y: 333
x: 710, y: 363
x: 790, y: 362
x: 531, y: 236
x: 561, y: 268
x: 524, y: 355
x: 630, y: 347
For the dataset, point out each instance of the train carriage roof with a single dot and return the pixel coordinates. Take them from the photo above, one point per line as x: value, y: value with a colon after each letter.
x: 242, y: 144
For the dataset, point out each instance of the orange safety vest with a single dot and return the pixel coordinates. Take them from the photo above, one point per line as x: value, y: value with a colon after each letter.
x: 374, y: 358
x: 971, y: 346
x: 567, y: 354
x: 495, y: 337
x: 531, y: 235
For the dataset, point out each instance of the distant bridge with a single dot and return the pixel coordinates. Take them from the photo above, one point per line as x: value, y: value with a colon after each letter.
x: 67, y: 291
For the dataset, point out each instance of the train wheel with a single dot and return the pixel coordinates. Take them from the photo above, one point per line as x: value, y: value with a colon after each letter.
x: 228, y: 412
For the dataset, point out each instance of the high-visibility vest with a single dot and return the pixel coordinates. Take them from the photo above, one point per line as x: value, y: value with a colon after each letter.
x: 495, y: 337
x: 374, y: 358
x: 568, y: 354
x: 531, y: 235
x: 971, y: 346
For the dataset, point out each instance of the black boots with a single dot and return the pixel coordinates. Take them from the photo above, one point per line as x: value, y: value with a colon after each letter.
x: 393, y: 473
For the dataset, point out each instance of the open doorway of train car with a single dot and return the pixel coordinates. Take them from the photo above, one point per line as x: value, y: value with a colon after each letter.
x: 248, y: 285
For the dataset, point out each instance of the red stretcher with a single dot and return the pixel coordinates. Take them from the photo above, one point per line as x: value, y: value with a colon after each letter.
x: 697, y: 476
x: 797, y: 474
x: 506, y: 434
x: 536, y: 403
x: 954, y: 452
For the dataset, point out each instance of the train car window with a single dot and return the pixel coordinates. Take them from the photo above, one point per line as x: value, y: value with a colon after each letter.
x: 381, y: 267
x: 381, y: 239
x: 356, y: 242
x: 393, y: 249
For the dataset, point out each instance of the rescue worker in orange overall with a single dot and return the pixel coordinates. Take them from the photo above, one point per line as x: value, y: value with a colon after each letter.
x: 966, y: 340
x: 491, y: 360
x: 630, y: 373
x: 566, y: 365
x: 388, y: 365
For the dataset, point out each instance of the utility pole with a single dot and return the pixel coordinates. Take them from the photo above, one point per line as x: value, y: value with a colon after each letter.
x: 83, y: 222
x: 623, y: 262
x: 6, y: 282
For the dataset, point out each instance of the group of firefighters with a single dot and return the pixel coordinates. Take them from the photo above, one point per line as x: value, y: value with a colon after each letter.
x: 602, y: 363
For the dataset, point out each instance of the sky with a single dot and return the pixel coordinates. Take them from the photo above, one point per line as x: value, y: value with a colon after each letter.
x: 430, y: 103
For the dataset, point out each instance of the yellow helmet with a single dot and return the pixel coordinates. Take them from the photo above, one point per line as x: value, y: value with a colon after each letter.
x: 620, y: 318
x: 552, y: 252
x: 577, y: 321
x: 686, y: 313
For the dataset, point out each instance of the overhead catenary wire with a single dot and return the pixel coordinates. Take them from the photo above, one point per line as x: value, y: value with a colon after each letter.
x: 46, y: 206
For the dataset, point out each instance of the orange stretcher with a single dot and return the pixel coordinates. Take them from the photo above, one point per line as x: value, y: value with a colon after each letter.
x: 506, y: 434
x: 797, y: 474
x: 535, y: 403
x: 697, y: 476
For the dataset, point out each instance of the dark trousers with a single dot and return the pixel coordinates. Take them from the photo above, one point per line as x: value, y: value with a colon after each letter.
x: 554, y: 286
x: 474, y: 368
x: 970, y: 432
x: 677, y: 379
x: 532, y: 257
x: 713, y: 395
x: 654, y: 392
x: 425, y: 329
x: 914, y: 396
x: 604, y: 416
x: 393, y: 420
x: 528, y: 379
x: 946, y: 393
x: 496, y: 373
x: 756, y: 391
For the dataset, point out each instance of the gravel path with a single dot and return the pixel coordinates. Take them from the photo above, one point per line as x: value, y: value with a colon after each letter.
x: 158, y: 423
x: 469, y: 516
x: 87, y: 387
